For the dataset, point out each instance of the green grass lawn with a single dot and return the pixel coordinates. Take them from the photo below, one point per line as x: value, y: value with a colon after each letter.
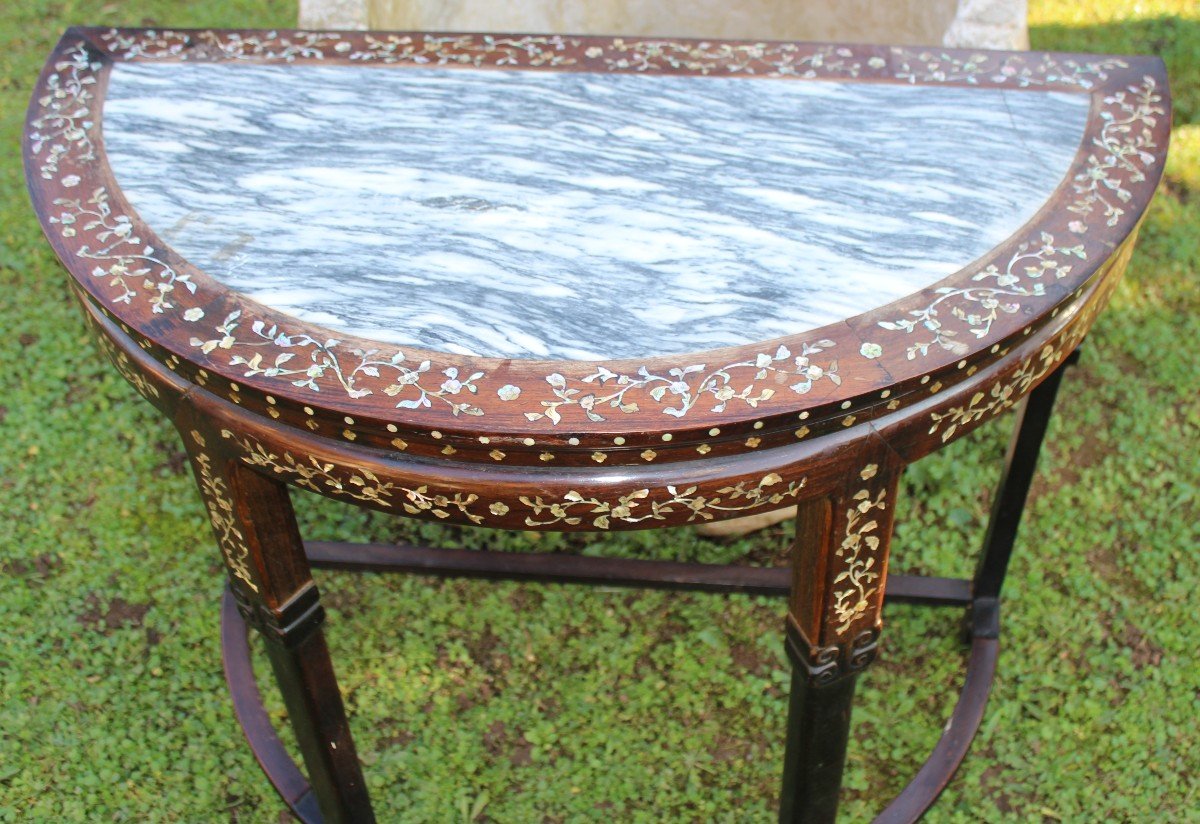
x: 514, y: 703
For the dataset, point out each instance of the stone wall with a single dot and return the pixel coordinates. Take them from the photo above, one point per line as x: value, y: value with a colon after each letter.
x: 998, y: 24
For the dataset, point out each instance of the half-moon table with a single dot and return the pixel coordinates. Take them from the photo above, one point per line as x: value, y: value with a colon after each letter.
x: 574, y: 283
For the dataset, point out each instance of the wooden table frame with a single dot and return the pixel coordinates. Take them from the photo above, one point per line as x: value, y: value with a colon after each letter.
x: 571, y: 446
x: 819, y: 712
x: 252, y: 518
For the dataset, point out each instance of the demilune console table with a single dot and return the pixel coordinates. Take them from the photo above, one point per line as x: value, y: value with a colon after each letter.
x: 578, y: 283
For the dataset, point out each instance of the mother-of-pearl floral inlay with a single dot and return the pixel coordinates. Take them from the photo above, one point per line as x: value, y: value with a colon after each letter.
x: 576, y: 216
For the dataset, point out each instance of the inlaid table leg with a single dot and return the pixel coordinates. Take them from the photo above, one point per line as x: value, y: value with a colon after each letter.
x: 256, y: 530
x: 839, y: 563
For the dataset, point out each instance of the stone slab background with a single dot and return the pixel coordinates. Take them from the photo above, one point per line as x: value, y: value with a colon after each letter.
x: 992, y: 24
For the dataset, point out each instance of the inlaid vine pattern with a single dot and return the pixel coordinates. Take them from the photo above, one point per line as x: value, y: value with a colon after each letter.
x: 682, y: 387
x: 1031, y: 267
x: 465, y: 49
x: 1000, y: 396
x: 639, y: 505
x: 153, y: 44
x: 1020, y: 71
x: 417, y: 384
x: 63, y: 128
x: 772, y: 59
x: 1006, y: 392
x: 215, y: 491
x: 123, y: 366
x: 122, y: 259
x: 857, y: 584
x: 571, y: 509
x: 357, y: 483
x: 1121, y: 154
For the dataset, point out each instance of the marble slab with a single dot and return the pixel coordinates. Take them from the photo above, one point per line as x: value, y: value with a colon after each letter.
x: 532, y: 214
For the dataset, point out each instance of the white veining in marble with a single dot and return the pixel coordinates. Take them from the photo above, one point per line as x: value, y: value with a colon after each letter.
x: 581, y: 216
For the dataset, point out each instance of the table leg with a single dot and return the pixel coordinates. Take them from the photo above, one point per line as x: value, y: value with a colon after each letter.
x: 1008, y: 505
x: 256, y: 530
x: 839, y: 564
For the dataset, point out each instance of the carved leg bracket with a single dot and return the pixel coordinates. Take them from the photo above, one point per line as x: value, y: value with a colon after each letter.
x: 824, y: 665
x: 289, y: 625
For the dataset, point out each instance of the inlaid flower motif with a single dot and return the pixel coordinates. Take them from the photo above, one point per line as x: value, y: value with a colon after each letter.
x: 645, y: 504
x: 358, y: 483
x: 859, y: 550
x: 452, y: 385
x: 682, y: 387
x: 508, y: 392
x: 133, y: 267
x: 325, y: 361
x: 978, y: 307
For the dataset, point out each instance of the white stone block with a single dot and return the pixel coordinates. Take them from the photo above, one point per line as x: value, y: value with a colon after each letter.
x: 992, y: 24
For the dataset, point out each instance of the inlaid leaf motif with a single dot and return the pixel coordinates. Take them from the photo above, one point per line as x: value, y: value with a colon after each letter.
x: 644, y: 505
x: 217, y: 500
x: 359, y: 483
x: 682, y: 387
x: 857, y: 583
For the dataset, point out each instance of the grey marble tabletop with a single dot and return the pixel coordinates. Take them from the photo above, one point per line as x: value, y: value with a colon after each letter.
x: 529, y: 214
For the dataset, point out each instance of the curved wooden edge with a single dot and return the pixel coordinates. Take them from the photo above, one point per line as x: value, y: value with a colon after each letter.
x: 600, y: 497
x: 952, y: 747
x: 195, y: 326
x: 252, y: 717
